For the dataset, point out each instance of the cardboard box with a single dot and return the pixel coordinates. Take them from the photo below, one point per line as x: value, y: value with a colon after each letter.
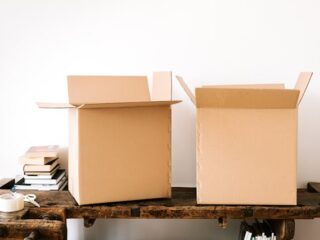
x: 120, y: 139
x: 247, y: 142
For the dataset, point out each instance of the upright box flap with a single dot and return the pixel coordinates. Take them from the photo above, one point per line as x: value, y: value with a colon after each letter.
x: 302, y: 83
x: 162, y: 86
x: 128, y: 104
x: 55, y: 105
x: 247, y: 86
x: 186, y: 89
x: 246, y: 98
x: 102, y: 89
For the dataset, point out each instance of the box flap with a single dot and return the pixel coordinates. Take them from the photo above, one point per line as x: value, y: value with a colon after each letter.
x: 128, y: 104
x: 55, y: 105
x: 302, y: 83
x: 255, y: 86
x: 186, y: 89
x: 162, y: 86
x: 102, y: 89
x: 246, y: 98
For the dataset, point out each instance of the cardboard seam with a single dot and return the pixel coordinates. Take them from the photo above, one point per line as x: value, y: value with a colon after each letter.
x: 79, y: 165
x: 198, y: 143
x: 170, y: 153
x: 70, y: 187
x: 296, y: 153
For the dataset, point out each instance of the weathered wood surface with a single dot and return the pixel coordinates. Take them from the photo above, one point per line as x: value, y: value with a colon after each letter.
x: 284, y: 229
x: 49, y: 221
x: 313, y: 187
x: 182, y: 205
x: 14, y: 215
x: 20, y: 229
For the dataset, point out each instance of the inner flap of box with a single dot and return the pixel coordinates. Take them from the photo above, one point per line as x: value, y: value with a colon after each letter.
x: 246, y: 98
x: 161, y: 86
x: 186, y: 89
x: 117, y: 89
x: 248, y: 86
x: 128, y: 104
x: 115, y: 92
x: 103, y: 89
x: 302, y: 83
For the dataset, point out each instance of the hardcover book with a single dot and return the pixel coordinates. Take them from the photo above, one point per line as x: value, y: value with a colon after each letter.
x: 40, y: 168
x: 42, y: 173
x: 36, y: 160
x: 43, y: 151
x: 21, y: 185
x: 54, y: 180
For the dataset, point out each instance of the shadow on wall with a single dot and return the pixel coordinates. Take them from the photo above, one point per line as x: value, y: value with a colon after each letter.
x: 63, y: 158
x: 309, y: 135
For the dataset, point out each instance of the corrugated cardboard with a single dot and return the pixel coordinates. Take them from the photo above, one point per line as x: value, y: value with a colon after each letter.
x: 104, y: 89
x: 247, y: 143
x: 119, y: 140
x: 256, y: 86
x: 161, y: 86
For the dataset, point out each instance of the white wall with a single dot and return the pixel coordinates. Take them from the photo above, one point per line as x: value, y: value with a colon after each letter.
x: 206, y: 41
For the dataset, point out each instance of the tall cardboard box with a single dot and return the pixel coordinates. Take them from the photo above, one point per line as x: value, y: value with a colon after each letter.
x: 120, y: 139
x: 247, y: 142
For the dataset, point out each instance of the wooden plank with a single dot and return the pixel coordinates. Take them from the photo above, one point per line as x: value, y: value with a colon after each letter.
x: 50, y: 213
x: 313, y: 187
x: 19, y: 229
x: 49, y: 221
x: 182, y: 205
x: 49, y: 198
x: 306, y: 198
x: 13, y: 215
x: 284, y: 229
x: 99, y: 212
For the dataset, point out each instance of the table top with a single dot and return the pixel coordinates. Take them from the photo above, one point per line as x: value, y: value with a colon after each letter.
x: 182, y: 205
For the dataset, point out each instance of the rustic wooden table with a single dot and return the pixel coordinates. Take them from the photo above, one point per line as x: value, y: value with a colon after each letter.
x: 49, y: 221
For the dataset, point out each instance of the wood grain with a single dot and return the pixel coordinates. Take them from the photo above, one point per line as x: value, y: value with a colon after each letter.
x: 313, y: 187
x: 50, y: 219
x: 19, y: 229
x: 182, y: 205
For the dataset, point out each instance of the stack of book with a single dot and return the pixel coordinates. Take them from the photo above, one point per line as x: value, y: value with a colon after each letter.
x: 41, y: 169
x: 256, y: 231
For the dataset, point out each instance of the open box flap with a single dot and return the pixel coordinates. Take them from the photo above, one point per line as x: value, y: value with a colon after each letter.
x: 247, y: 86
x: 186, y: 89
x: 102, y: 89
x: 161, y: 86
x: 128, y: 104
x: 246, y: 98
x: 302, y: 83
x: 55, y: 105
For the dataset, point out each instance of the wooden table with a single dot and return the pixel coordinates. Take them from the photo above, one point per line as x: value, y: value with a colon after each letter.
x: 49, y: 221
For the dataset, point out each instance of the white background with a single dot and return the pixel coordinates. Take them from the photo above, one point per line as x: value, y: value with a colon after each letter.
x: 230, y: 41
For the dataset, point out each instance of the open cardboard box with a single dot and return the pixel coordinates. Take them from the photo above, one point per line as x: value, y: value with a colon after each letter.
x: 120, y: 139
x: 247, y: 142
